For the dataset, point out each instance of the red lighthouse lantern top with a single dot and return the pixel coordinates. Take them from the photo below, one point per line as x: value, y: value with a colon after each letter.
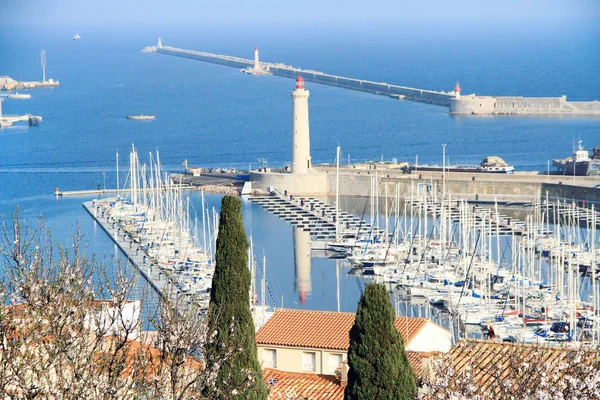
x: 457, y: 88
x: 299, y: 82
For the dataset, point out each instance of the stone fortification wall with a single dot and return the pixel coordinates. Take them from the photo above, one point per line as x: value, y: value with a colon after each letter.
x: 592, y: 106
x: 299, y: 184
x: 358, y: 184
x: 573, y: 193
x: 485, y: 105
x: 468, y: 189
x: 481, y: 189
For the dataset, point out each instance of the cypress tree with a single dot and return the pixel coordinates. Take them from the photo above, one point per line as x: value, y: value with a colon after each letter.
x: 229, y: 312
x: 379, y: 366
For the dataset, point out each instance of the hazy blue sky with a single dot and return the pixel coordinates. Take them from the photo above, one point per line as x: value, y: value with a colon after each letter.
x: 203, y: 13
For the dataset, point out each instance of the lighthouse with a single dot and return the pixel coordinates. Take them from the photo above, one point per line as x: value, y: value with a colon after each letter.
x: 300, y: 131
x: 457, y: 90
x: 256, y: 63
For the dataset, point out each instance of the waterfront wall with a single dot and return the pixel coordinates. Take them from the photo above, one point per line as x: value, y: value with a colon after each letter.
x: 514, y: 105
x: 359, y: 184
x: 483, y: 189
x: 310, y: 184
x: 571, y: 193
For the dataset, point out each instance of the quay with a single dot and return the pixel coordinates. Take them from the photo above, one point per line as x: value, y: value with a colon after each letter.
x: 470, y: 104
x: 152, y: 274
x: 57, y: 192
x: 485, y: 188
x: 209, y: 179
x: 8, y: 84
x: 9, y: 120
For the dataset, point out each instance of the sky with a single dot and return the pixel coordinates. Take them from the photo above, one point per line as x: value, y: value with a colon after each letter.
x: 443, y: 14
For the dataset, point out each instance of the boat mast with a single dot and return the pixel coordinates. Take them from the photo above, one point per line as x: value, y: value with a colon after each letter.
x: 118, y: 195
x: 337, y: 193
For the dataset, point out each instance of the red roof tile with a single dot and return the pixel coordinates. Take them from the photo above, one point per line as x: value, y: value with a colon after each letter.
x: 294, y: 385
x: 490, y: 362
x: 322, y: 329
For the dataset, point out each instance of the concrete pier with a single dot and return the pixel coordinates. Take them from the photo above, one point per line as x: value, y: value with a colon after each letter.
x: 9, y: 120
x: 152, y: 274
x: 312, y: 216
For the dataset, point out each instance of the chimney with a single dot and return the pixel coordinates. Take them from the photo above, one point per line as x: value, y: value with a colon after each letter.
x: 344, y: 368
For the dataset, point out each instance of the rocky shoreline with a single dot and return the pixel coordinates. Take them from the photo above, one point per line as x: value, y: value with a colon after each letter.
x: 220, y: 189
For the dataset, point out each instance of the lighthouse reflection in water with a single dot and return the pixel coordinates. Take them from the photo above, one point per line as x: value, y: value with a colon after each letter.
x: 302, y: 263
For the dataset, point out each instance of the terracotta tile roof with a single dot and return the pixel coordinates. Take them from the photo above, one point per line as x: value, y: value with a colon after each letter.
x: 485, y: 359
x: 294, y: 385
x: 322, y: 329
x: 415, y: 359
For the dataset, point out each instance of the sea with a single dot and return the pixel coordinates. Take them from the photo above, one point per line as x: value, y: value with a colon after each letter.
x: 214, y: 116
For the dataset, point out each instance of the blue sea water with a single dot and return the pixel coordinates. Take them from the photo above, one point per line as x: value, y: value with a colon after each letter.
x: 215, y: 116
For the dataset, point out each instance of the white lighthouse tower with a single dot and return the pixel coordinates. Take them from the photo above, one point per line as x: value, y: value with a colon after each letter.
x: 256, y: 63
x: 300, y: 131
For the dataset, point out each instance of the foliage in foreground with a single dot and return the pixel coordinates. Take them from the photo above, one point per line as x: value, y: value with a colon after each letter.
x: 57, y: 341
x: 516, y: 371
x: 379, y: 366
x: 229, y: 313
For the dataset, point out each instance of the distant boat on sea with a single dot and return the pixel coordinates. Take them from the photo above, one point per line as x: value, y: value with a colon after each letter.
x: 18, y: 95
x: 141, y: 117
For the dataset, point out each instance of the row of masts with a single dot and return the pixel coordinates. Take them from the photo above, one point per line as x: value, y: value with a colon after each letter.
x: 484, y: 266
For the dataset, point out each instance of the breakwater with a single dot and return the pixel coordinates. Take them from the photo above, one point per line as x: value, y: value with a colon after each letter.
x: 460, y: 105
x: 379, y: 88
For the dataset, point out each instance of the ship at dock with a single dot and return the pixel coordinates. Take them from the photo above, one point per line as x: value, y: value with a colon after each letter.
x: 581, y: 164
x: 490, y: 165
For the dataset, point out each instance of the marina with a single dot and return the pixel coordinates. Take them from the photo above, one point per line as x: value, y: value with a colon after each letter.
x: 97, y: 210
x: 501, y: 250
x: 157, y: 233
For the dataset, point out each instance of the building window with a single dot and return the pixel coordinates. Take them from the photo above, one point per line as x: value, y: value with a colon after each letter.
x: 334, y: 362
x: 270, y: 358
x: 309, y: 362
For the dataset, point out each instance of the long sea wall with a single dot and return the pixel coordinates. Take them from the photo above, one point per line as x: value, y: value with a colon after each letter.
x: 207, y: 57
x: 380, y: 88
x: 464, y: 105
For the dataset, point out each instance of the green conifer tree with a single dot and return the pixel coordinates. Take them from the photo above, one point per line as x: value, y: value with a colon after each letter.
x: 379, y: 366
x: 240, y: 375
